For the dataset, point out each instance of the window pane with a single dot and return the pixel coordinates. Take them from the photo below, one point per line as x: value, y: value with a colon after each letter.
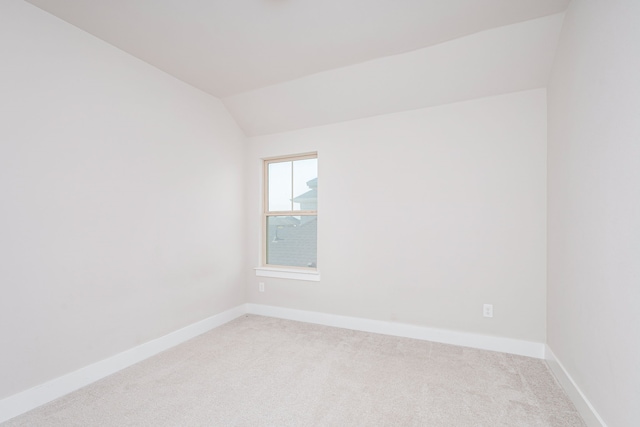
x: 279, y: 186
x: 291, y: 240
x: 305, y: 184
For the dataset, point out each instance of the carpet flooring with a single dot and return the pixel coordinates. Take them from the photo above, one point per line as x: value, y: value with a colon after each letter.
x: 260, y: 371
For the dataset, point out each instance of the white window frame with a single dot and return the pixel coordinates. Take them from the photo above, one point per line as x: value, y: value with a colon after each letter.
x: 282, y: 271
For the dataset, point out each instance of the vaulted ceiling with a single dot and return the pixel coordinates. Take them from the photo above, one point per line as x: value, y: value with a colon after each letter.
x: 291, y: 52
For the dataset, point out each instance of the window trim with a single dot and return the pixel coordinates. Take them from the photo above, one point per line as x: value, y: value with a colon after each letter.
x: 288, y: 273
x: 274, y: 270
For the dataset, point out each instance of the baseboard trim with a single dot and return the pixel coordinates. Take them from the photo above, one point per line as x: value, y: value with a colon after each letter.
x: 27, y: 400
x: 484, y: 342
x: 582, y: 404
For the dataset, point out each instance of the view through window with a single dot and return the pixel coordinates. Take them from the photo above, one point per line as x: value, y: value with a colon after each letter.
x: 290, y: 217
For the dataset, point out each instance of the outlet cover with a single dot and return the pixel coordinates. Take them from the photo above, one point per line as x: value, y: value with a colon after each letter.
x: 487, y: 310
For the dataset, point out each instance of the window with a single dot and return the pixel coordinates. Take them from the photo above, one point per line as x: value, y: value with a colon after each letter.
x: 290, y: 217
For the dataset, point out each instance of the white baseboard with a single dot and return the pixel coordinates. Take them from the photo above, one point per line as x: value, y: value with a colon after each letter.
x: 582, y: 404
x: 27, y: 400
x: 484, y: 342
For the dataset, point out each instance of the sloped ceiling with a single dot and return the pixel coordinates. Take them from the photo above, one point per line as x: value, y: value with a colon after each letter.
x: 506, y: 59
x: 246, y: 51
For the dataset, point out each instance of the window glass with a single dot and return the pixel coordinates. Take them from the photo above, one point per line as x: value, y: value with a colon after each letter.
x: 305, y: 184
x: 279, y: 176
x: 290, y: 215
x: 292, y: 240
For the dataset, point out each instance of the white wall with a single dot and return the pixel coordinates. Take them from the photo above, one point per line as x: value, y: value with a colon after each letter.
x: 424, y: 216
x: 121, y: 205
x: 594, y: 205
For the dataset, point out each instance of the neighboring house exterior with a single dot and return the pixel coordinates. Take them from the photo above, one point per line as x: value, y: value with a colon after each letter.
x: 292, y: 240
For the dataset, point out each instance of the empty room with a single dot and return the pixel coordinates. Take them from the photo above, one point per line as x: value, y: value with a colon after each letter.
x: 320, y: 213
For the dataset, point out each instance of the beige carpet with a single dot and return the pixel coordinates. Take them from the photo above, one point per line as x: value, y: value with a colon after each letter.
x: 259, y: 371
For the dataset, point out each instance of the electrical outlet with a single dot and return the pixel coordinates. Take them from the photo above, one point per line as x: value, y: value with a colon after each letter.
x: 261, y: 286
x: 487, y: 310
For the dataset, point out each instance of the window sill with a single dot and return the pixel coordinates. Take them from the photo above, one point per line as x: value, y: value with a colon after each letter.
x: 286, y: 273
